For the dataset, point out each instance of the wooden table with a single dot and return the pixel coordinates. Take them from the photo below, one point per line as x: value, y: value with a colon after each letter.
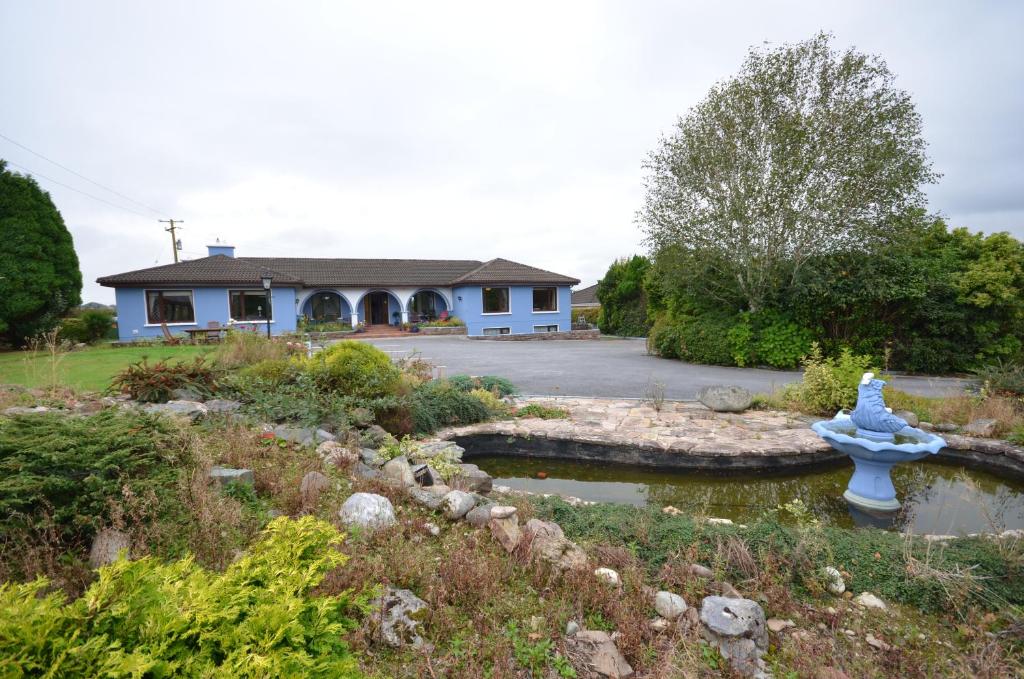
x: 194, y: 333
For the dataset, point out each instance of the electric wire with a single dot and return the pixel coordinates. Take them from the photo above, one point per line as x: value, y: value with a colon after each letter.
x: 79, y: 174
x: 66, y: 186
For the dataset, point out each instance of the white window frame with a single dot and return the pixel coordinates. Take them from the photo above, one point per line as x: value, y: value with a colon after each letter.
x: 235, y: 321
x: 145, y: 304
x: 496, y: 313
x: 548, y: 326
x: 483, y: 331
x: 545, y: 287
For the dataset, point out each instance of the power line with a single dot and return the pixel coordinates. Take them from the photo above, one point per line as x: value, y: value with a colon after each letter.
x: 78, y: 174
x: 88, y: 195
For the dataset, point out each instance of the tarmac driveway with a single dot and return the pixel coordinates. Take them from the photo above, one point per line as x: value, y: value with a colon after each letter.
x: 609, y: 367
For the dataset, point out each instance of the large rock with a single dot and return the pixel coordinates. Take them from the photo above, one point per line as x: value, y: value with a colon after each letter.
x: 190, y: 409
x: 425, y: 497
x: 395, y: 618
x: 368, y: 511
x: 337, y: 454
x: 457, y: 504
x: 399, y: 471
x: 373, y: 436
x: 834, y: 582
x: 312, y: 484
x: 226, y: 475
x: 506, y: 532
x: 427, y: 476
x: 106, y: 547
x: 365, y: 472
x: 24, y: 410
x: 472, y: 478
x: 595, y: 650
x: 737, y: 628
x: 869, y: 600
x: 909, y: 417
x: 371, y: 457
x: 221, y: 405
x: 446, y: 450
x: 985, y: 428
x: 304, y: 436
x: 546, y: 541
x: 480, y: 516
x: 725, y: 399
x: 668, y: 605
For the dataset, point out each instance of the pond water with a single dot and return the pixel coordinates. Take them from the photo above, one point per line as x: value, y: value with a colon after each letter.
x: 937, y: 498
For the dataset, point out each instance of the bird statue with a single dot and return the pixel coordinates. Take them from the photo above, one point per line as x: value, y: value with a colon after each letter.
x: 871, y: 415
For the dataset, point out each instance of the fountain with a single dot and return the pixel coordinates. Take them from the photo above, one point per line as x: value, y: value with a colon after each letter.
x: 876, y: 441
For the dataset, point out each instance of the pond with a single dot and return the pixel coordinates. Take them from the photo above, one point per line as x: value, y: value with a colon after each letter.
x: 937, y: 499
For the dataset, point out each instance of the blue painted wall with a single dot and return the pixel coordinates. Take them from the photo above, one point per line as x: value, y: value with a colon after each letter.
x: 521, y: 319
x: 211, y: 304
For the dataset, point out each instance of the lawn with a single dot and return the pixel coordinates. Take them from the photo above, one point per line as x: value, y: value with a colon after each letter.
x: 90, y: 369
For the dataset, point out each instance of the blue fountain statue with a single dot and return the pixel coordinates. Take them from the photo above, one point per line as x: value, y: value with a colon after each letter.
x: 876, y: 441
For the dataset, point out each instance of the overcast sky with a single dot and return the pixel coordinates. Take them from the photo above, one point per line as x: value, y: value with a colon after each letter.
x: 444, y: 130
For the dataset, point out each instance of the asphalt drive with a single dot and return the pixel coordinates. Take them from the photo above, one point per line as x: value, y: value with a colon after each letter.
x: 609, y: 367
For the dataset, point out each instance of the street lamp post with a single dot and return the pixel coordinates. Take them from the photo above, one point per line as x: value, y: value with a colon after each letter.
x: 267, y: 280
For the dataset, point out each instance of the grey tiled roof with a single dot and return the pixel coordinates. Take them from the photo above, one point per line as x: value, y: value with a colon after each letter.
x: 314, y: 272
x: 586, y: 295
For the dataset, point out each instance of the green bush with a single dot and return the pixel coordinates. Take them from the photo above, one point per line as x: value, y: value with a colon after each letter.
x: 1003, y: 377
x: 623, y: 299
x: 155, y: 383
x: 239, y: 349
x: 588, y: 315
x: 272, y: 371
x: 296, y: 401
x: 705, y: 339
x: 542, y: 412
x: 828, y: 384
x: 495, y: 406
x: 259, y: 618
x: 355, y: 369
x: 439, y: 403
x: 665, y: 338
x: 450, y: 322
x: 781, y: 343
x: 68, y: 470
x: 496, y: 385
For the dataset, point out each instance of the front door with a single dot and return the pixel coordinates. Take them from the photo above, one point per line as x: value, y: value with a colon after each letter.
x: 376, y: 308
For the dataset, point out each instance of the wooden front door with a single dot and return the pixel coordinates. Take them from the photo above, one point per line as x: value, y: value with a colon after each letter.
x: 375, y: 308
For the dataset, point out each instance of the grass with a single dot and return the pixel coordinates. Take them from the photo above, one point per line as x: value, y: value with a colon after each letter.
x: 86, y: 370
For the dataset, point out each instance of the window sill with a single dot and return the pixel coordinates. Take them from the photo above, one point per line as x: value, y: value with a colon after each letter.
x: 495, y: 313
x: 230, y: 323
x: 169, y: 325
x: 546, y: 312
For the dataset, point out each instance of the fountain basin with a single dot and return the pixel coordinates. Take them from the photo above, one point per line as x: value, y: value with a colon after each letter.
x: 870, y: 487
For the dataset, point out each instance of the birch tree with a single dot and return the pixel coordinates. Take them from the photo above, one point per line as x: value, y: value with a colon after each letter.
x: 806, y: 151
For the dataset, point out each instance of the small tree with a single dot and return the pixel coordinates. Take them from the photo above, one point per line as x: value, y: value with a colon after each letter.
x: 39, y: 276
x: 622, y: 297
x: 805, y: 152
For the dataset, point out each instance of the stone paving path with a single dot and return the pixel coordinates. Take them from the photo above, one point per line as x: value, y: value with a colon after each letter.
x: 679, y: 427
x: 686, y: 428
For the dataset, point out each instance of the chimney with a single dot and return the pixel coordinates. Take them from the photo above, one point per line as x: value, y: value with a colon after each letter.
x: 219, y: 248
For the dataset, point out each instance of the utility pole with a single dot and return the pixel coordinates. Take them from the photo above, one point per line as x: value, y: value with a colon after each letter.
x: 174, y: 238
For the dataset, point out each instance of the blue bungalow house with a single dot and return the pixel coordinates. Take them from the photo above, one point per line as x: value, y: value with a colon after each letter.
x: 497, y: 297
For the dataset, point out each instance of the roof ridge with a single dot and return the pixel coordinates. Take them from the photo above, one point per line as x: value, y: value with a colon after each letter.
x: 473, y: 271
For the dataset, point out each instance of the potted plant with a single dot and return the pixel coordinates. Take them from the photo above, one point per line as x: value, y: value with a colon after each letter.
x: 414, y: 328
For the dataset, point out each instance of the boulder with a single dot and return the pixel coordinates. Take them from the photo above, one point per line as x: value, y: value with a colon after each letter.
x: 737, y: 628
x: 395, y: 618
x: 869, y: 600
x: 472, y: 478
x: 371, y: 457
x: 432, y: 528
x: 337, y: 454
x: 776, y: 625
x: 908, y: 417
x: 725, y: 398
x: 669, y: 606
x: 446, y: 450
x: 399, y: 471
x: 365, y: 472
x: 546, y: 541
x: 304, y: 436
x: 945, y: 427
x: 506, y: 532
x: 608, y: 576
x: 479, y: 516
x: 985, y: 428
x: 373, y: 436
x: 701, y: 571
x: 312, y: 484
x: 424, y: 497
x: 502, y: 511
x: 222, y: 405
x: 571, y: 628
x: 834, y: 580
x: 186, y: 394
x: 106, y: 547
x: 193, y: 410
x: 596, y: 651
x: 226, y: 475
x: 23, y: 410
x: 368, y: 511
x: 456, y: 504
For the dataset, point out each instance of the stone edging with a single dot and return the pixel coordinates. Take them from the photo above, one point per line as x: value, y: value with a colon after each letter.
x: 541, y: 336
